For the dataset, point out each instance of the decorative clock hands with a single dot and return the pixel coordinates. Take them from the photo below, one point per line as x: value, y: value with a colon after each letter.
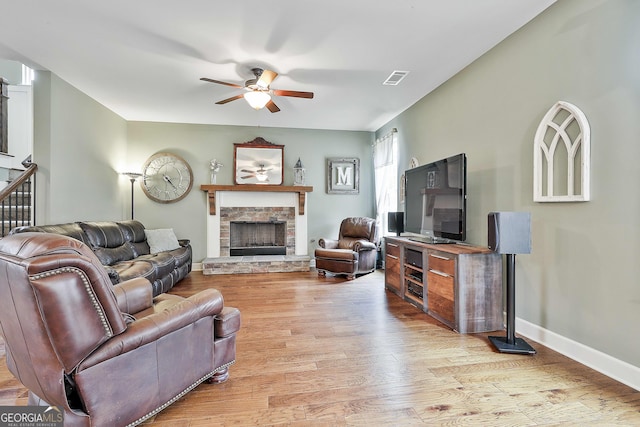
x: 167, y: 179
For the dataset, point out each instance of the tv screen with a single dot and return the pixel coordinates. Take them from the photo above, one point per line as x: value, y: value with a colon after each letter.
x: 435, y: 198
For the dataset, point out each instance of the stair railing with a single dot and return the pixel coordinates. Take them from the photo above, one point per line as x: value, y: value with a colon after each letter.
x: 17, y: 200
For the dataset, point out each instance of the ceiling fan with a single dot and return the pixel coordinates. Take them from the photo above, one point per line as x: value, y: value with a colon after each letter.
x: 261, y: 174
x: 258, y: 93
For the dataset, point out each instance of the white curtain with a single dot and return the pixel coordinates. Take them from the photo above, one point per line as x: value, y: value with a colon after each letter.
x: 385, y: 164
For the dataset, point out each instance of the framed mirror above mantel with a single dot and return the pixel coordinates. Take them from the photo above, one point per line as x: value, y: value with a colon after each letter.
x: 301, y: 190
x: 258, y: 162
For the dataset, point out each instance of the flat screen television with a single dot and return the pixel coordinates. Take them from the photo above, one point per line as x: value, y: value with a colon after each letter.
x: 435, y: 199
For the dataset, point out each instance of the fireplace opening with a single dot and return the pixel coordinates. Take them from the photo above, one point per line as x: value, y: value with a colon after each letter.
x: 257, y: 238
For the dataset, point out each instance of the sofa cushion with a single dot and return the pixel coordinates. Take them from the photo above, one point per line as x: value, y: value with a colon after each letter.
x: 161, y: 240
x: 134, y: 233
x: 163, y: 262
x: 337, y: 254
x: 103, y: 234
x: 110, y: 256
x: 130, y: 269
x: 182, y: 255
x: 71, y: 229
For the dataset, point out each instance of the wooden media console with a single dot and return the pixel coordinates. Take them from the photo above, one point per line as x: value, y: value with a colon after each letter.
x: 457, y: 284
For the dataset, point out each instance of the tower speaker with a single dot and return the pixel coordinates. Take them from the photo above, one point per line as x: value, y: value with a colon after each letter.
x: 396, y: 222
x: 510, y: 232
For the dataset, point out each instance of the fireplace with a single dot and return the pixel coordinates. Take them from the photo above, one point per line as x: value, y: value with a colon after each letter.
x: 256, y: 204
x: 257, y: 238
x: 239, y: 225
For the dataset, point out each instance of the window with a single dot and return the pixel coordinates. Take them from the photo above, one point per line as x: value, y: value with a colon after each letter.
x: 385, y: 164
x: 27, y: 75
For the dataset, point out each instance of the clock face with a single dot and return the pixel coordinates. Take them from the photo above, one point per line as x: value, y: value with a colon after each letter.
x: 166, y: 178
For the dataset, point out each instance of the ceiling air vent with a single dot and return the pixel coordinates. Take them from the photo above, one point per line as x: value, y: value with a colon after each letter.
x: 395, y: 78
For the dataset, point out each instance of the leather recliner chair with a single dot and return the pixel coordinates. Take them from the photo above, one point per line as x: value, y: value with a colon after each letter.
x: 354, y: 252
x: 107, y: 355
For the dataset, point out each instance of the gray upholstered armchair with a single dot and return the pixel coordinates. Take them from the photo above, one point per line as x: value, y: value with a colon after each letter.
x: 107, y: 355
x: 354, y: 252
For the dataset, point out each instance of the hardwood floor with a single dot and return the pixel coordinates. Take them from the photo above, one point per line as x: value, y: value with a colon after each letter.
x: 329, y: 352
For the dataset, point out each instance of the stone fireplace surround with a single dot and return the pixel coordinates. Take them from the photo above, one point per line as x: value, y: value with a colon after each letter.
x: 258, y: 203
x: 257, y: 214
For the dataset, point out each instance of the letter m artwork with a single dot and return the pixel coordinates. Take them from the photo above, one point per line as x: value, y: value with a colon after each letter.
x: 343, y: 175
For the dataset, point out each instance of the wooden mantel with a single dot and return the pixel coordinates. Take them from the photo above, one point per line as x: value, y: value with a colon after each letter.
x: 211, y: 189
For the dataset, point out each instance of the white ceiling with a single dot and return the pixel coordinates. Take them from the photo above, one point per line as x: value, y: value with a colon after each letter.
x: 143, y: 58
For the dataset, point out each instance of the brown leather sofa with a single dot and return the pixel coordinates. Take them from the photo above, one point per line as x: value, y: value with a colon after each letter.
x: 123, y: 250
x: 107, y: 355
x: 354, y: 252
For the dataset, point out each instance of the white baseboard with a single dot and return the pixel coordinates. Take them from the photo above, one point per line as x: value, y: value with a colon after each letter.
x: 614, y: 368
x: 196, y: 266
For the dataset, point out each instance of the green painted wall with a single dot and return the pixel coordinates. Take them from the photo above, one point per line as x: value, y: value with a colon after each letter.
x: 581, y: 280
x: 199, y: 144
x: 11, y: 71
x: 79, y: 146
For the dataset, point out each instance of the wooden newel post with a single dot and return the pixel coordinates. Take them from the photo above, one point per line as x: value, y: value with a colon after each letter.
x: 4, y: 117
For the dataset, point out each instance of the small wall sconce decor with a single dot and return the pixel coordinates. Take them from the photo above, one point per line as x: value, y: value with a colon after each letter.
x: 299, y: 173
x: 343, y: 175
x: 561, y: 156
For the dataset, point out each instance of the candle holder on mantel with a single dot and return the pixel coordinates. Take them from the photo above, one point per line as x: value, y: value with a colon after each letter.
x: 215, y: 166
x: 299, y: 173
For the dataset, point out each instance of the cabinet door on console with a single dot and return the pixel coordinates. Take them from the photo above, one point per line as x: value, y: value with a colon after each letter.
x: 441, y: 287
x: 392, y: 268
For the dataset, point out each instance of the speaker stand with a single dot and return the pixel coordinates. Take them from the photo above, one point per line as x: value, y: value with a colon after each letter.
x: 511, y: 344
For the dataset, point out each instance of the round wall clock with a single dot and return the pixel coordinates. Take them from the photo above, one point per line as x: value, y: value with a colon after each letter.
x: 166, y: 178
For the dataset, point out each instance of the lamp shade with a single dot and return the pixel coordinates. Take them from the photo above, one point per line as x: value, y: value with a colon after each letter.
x: 132, y: 175
x: 257, y: 99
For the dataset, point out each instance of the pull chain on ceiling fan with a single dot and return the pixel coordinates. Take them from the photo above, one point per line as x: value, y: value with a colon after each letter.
x: 258, y: 92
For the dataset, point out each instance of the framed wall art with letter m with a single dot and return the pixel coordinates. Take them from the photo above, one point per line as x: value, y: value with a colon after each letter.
x: 343, y: 175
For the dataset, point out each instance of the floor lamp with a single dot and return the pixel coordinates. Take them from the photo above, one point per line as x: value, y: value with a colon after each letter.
x: 510, y: 234
x: 133, y: 176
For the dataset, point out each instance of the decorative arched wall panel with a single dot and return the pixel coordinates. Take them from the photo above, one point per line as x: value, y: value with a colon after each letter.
x: 561, y: 156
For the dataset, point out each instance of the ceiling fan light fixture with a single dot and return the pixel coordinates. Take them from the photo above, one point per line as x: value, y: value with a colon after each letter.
x: 262, y: 177
x: 257, y: 99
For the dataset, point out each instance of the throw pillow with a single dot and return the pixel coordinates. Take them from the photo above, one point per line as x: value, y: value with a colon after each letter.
x: 163, y: 239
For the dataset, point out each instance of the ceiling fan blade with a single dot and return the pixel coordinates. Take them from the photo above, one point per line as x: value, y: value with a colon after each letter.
x: 233, y: 98
x: 220, y: 83
x: 246, y: 170
x: 247, y: 176
x: 266, y: 78
x: 272, y: 107
x: 293, y: 93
